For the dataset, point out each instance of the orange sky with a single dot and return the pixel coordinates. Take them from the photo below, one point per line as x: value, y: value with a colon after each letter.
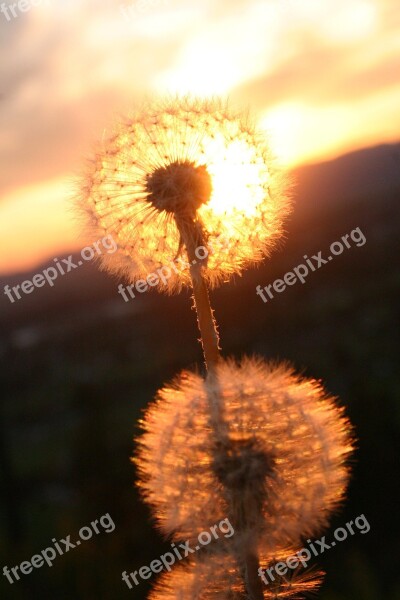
x: 322, y: 76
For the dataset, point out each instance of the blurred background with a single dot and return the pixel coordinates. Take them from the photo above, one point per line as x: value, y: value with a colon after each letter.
x: 78, y: 364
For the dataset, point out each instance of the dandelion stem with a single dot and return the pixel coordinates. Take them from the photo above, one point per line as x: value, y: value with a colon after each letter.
x: 252, y: 579
x: 192, y: 238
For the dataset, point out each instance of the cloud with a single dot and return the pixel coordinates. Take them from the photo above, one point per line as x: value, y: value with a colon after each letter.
x: 68, y: 72
x: 70, y: 66
x: 322, y: 75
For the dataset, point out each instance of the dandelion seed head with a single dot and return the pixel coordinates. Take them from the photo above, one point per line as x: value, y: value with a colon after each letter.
x: 185, y: 157
x: 285, y: 460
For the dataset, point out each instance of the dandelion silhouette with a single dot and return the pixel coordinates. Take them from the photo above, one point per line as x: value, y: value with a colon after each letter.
x: 252, y: 441
x: 274, y: 463
x: 286, y: 445
x: 176, y: 162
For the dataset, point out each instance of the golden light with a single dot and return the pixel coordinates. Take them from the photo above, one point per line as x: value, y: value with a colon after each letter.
x: 35, y: 212
x: 282, y: 124
x: 355, y: 21
x: 236, y: 175
x: 328, y: 84
x: 169, y: 144
x: 213, y: 61
x: 302, y: 134
x: 284, y: 423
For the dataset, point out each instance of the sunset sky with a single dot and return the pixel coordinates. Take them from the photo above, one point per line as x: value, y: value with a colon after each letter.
x: 321, y: 76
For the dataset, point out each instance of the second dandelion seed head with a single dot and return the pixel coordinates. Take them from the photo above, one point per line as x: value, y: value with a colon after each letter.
x: 242, y: 464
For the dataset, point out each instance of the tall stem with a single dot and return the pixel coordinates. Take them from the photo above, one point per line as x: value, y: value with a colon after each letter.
x: 252, y: 579
x: 192, y: 237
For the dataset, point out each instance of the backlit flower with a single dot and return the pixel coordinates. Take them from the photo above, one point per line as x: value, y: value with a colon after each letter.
x: 280, y: 452
x: 185, y: 161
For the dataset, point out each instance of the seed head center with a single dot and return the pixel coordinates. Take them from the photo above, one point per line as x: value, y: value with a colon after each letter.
x: 179, y: 188
x: 243, y: 465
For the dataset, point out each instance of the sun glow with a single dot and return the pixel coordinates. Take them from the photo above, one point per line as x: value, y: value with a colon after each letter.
x: 236, y: 178
x: 146, y: 180
x: 321, y: 75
